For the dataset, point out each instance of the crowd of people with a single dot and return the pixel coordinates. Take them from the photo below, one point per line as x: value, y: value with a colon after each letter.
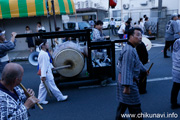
x: 132, y: 74
x: 14, y: 102
x: 33, y: 41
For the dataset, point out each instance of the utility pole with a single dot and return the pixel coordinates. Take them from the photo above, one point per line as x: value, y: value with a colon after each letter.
x: 159, y: 27
x: 52, y: 2
x: 159, y: 8
x: 49, y: 19
x: 121, y: 11
x: 48, y: 15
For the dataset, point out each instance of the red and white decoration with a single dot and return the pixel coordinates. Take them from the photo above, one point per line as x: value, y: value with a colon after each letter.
x: 112, y: 3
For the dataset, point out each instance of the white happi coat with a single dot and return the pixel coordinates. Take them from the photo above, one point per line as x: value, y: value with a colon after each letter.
x: 46, y: 66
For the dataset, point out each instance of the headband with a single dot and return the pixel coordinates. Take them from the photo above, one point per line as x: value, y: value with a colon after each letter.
x: 2, y: 33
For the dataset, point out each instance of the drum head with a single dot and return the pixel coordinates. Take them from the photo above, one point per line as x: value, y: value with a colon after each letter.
x: 69, y: 57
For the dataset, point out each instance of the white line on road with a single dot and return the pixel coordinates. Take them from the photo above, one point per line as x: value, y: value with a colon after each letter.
x: 153, y: 45
x: 92, y: 86
x: 114, y: 84
x: 148, y: 80
x: 159, y: 79
x: 157, y: 45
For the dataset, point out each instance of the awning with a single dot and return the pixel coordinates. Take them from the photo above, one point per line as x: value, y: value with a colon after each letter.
x: 27, y: 8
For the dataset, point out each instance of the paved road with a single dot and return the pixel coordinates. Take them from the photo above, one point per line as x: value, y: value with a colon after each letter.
x: 99, y: 103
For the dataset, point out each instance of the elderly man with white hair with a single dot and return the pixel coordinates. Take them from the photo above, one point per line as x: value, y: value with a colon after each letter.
x: 14, y: 103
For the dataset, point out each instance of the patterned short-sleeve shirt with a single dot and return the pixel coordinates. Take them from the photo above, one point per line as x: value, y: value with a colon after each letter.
x: 10, y: 109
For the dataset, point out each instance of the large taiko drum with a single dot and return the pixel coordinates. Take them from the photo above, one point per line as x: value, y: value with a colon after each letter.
x: 69, y: 56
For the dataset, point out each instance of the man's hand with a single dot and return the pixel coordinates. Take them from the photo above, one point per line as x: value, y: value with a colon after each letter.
x: 13, y: 35
x: 147, y: 72
x: 30, y: 102
x: 31, y: 92
x: 126, y: 90
x: 43, y: 79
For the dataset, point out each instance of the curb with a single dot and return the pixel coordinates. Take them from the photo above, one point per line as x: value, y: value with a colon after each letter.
x: 17, y: 59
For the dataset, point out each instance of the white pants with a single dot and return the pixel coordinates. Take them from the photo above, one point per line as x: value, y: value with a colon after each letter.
x: 53, y: 88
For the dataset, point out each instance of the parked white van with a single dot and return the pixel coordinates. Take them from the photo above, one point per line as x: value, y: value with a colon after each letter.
x: 106, y: 22
x: 76, y: 25
x: 118, y: 22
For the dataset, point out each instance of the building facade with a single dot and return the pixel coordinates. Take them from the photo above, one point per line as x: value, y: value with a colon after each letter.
x: 18, y: 25
x: 137, y: 8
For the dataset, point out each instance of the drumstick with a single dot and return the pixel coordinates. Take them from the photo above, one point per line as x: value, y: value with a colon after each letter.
x: 56, y: 41
x: 25, y: 90
x: 49, y: 92
x: 62, y: 67
x: 148, y: 71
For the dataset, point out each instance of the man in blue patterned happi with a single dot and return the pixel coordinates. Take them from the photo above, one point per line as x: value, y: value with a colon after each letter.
x: 129, y: 67
x: 13, y: 102
x: 175, y: 75
x: 5, y: 46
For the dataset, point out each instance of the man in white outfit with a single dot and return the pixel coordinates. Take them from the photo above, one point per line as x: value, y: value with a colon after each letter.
x: 47, y: 77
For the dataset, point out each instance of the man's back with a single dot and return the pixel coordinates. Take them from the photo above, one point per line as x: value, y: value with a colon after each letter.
x: 45, y: 65
x: 147, y: 25
x: 171, y: 29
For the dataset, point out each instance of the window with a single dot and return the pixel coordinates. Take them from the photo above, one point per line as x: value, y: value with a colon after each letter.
x: 116, y: 13
x: 69, y: 26
x: 83, y: 25
x: 82, y: 4
x: 106, y: 20
x: 87, y: 5
x: 118, y: 19
x: 78, y: 4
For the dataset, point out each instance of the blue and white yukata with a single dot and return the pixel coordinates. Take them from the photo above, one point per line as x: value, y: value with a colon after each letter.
x: 12, y: 105
x: 175, y: 72
x: 4, y: 48
x: 129, y: 67
x: 97, y: 35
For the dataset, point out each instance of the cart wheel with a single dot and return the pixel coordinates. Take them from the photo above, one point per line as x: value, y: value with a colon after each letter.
x: 104, y: 83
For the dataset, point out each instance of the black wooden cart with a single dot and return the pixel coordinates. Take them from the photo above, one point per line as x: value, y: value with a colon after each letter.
x: 89, y: 72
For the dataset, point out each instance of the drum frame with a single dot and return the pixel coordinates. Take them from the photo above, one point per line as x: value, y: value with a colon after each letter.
x: 89, y: 72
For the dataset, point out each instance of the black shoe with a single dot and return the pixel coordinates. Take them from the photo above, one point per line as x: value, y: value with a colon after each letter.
x: 166, y: 56
x: 175, y: 106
